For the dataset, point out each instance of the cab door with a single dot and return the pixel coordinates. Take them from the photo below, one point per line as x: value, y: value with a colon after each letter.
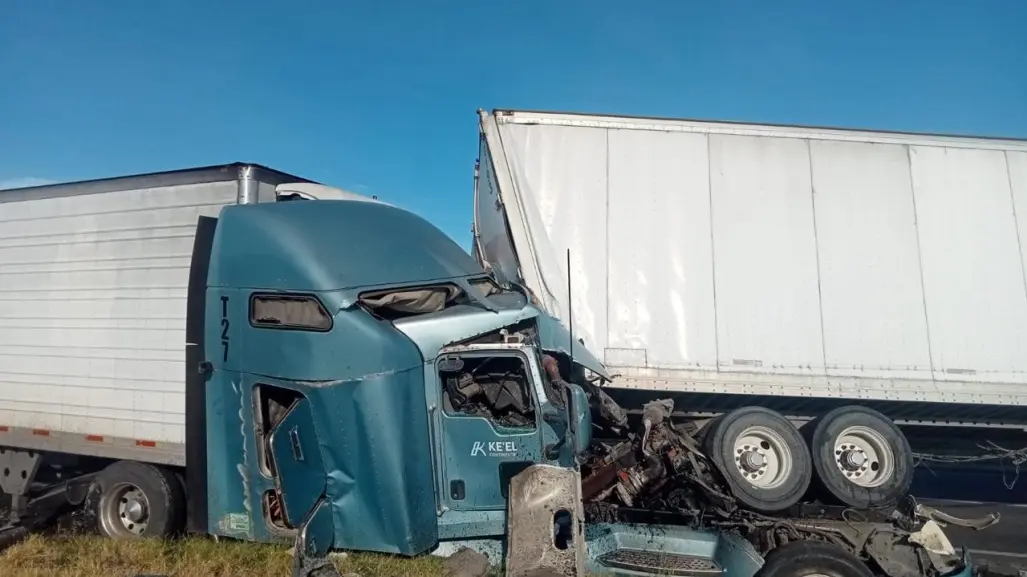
x: 488, y: 428
x: 299, y: 470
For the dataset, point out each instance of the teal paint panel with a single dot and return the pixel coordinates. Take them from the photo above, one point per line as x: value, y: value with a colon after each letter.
x: 377, y: 450
x: 330, y: 245
x: 297, y: 456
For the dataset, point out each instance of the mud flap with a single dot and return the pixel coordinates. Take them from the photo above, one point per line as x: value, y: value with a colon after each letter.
x: 299, y: 469
x: 544, y: 523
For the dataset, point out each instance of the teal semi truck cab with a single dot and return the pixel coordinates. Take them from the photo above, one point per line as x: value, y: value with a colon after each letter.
x: 356, y: 360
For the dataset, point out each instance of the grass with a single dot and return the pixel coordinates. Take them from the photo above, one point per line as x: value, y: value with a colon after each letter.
x: 94, y: 556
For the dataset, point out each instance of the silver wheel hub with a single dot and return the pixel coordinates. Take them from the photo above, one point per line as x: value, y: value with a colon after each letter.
x: 752, y: 460
x: 124, y: 511
x: 762, y: 457
x: 132, y: 510
x: 853, y: 459
x: 864, y: 456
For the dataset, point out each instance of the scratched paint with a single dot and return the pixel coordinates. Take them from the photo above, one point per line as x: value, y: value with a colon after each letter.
x: 241, y: 467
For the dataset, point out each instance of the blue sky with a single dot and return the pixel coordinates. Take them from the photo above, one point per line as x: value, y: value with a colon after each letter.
x: 380, y: 97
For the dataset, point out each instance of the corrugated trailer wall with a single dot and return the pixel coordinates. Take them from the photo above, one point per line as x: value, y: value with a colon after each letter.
x: 794, y: 258
x: 93, y: 310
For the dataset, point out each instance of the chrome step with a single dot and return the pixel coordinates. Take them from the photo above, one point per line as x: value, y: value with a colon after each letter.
x: 660, y: 563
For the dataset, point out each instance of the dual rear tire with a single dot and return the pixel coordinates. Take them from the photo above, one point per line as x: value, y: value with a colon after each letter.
x: 861, y: 458
x: 135, y: 499
x: 852, y: 456
x: 761, y: 456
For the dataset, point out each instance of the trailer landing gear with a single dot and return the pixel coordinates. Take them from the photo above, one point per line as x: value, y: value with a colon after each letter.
x: 33, y: 507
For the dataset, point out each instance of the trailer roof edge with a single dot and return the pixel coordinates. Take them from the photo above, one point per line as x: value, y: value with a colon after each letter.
x: 525, y: 116
x: 179, y: 177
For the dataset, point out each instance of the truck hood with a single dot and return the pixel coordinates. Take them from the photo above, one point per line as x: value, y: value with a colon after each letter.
x: 435, y: 331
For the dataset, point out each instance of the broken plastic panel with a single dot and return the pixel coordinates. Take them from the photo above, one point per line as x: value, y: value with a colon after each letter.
x: 404, y: 302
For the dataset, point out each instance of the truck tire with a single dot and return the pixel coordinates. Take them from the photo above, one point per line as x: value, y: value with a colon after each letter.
x: 861, y: 458
x: 704, y: 432
x: 812, y: 559
x: 139, y: 500
x: 762, y: 457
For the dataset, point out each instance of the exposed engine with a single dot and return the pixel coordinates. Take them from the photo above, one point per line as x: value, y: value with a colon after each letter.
x: 661, y: 473
x: 661, y: 467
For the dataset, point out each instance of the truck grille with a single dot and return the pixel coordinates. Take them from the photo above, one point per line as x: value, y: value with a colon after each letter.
x: 661, y: 563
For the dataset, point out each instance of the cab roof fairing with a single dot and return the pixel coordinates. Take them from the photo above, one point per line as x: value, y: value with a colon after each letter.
x: 332, y: 245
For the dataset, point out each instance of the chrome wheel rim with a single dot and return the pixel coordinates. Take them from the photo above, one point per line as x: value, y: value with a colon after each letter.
x: 124, y: 511
x: 762, y: 457
x: 864, y: 456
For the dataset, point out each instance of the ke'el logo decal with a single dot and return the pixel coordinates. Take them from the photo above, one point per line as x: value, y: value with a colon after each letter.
x: 494, y: 449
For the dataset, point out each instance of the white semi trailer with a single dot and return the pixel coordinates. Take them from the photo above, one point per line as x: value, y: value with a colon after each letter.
x: 806, y: 270
x: 93, y: 280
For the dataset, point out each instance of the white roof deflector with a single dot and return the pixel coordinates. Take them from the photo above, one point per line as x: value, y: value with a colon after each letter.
x: 311, y: 191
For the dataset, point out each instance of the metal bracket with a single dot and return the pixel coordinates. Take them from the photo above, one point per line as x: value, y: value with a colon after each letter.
x: 544, y: 523
x: 18, y: 470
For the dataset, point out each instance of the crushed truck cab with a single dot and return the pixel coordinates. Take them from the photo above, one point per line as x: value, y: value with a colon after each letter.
x: 357, y: 359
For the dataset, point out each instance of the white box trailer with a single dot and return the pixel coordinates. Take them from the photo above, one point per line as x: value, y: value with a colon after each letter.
x: 794, y: 268
x: 93, y: 286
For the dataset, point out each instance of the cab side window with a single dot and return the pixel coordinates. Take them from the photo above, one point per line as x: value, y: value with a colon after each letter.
x: 290, y: 312
x: 494, y: 388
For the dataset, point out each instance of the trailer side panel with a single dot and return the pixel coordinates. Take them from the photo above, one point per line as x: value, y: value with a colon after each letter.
x: 93, y: 303
x: 714, y: 258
